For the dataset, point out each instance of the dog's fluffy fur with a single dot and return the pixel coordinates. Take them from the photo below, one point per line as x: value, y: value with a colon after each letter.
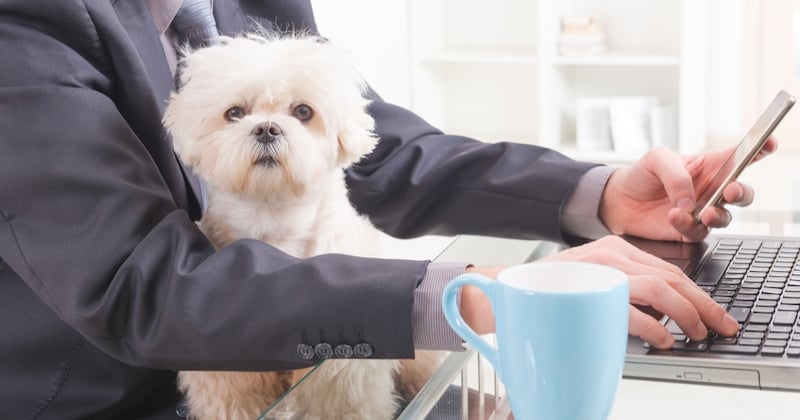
x: 274, y: 172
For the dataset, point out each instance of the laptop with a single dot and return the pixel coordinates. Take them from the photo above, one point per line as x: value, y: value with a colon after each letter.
x: 757, y: 279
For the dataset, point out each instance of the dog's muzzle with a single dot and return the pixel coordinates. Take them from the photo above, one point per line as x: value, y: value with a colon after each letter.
x: 267, y: 134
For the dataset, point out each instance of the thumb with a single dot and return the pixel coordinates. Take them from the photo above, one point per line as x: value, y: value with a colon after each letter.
x: 670, y: 169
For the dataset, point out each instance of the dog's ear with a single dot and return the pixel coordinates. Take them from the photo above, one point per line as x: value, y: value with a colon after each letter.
x: 356, y: 139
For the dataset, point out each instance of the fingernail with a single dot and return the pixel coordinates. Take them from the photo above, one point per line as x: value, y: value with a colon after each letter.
x: 686, y: 204
x: 730, y: 323
x: 702, y: 327
x: 740, y: 193
x: 665, y: 343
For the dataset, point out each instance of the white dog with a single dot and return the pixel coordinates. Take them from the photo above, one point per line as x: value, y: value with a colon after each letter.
x: 269, y: 125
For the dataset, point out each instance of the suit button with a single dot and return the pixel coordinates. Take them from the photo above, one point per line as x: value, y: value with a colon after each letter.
x: 363, y: 350
x: 343, y: 351
x: 182, y: 411
x: 323, y: 350
x: 305, y: 351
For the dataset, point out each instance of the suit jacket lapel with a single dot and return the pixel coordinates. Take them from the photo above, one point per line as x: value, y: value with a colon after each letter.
x: 135, y: 17
x: 137, y: 21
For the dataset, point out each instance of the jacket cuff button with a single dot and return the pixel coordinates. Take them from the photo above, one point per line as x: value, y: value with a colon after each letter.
x: 343, y: 351
x: 305, y: 351
x: 363, y: 350
x: 323, y: 350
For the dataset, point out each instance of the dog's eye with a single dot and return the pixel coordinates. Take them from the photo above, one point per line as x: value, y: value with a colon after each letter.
x: 303, y: 112
x: 234, y: 113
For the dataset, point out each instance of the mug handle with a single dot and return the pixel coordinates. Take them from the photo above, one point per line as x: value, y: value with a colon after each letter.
x: 453, y: 315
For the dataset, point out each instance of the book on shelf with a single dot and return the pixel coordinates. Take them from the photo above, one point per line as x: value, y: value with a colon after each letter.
x: 629, y: 125
x: 581, y: 35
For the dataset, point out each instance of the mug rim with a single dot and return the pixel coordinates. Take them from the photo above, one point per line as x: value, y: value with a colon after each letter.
x: 613, y: 277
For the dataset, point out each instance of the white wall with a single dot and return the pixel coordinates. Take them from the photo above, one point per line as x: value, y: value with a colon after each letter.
x: 377, y: 34
x: 725, y: 58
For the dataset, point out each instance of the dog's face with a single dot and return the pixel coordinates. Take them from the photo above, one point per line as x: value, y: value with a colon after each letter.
x: 269, y: 118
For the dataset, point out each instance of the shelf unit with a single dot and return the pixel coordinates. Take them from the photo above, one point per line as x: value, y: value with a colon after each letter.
x: 494, y: 73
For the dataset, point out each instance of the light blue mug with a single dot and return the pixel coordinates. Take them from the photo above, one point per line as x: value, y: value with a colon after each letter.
x: 562, y: 330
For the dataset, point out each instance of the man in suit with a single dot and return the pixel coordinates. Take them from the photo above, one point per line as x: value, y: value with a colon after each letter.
x: 107, y: 287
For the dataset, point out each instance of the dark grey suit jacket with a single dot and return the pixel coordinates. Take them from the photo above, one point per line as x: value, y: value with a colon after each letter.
x: 106, y: 285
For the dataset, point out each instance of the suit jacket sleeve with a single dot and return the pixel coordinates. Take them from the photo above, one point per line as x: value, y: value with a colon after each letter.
x: 421, y: 181
x: 93, y: 218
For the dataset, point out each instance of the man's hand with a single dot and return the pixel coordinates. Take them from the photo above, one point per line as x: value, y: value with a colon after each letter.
x: 475, y: 307
x: 654, y: 198
x: 655, y: 287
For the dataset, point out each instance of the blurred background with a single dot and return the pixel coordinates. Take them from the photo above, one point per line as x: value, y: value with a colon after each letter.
x: 599, y: 80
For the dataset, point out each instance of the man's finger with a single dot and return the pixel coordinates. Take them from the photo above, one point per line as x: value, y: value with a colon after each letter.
x: 738, y: 194
x: 655, y: 292
x: 670, y: 169
x: 648, y: 329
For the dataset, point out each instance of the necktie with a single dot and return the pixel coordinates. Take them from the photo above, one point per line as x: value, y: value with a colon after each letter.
x: 194, y: 23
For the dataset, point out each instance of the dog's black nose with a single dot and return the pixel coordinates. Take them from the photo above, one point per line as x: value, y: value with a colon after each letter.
x: 267, y: 132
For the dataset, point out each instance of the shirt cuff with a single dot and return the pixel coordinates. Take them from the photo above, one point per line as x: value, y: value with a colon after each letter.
x: 431, y: 330
x: 580, y: 214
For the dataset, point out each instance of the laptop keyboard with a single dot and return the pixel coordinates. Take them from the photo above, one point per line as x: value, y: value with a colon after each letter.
x: 758, y: 282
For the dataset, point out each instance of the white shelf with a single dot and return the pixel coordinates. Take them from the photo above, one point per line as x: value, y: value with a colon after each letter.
x: 495, y: 69
x: 619, y: 58
x: 609, y: 157
x: 479, y: 56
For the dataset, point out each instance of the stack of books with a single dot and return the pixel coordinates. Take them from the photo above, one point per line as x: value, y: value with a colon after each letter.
x: 581, y: 35
x: 626, y: 124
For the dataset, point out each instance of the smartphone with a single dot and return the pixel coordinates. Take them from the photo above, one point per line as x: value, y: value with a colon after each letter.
x: 744, y: 153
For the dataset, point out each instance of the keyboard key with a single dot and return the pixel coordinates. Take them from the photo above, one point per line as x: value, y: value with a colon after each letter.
x: 753, y: 335
x: 785, y: 318
x: 673, y: 327
x: 690, y: 345
x: 760, y: 318
x: 775, y: 343
x: 750, y: 342
x: 793, y: 352
x: 711, y: 272
x: 750, y: 244
x: 739, y: 314
x: 770, y: 303
x: 756, y: 328
x: 777, y: 335
x: 780, y: 329
x: 734, y: 348
x: 772, y: 351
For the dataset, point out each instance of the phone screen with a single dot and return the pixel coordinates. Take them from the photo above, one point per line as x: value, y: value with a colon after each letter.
x: 744, y: 153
